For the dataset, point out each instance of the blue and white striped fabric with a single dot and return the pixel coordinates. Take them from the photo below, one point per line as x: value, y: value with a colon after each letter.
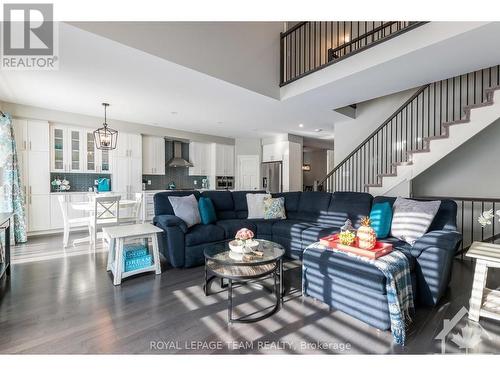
x: 396, y: 269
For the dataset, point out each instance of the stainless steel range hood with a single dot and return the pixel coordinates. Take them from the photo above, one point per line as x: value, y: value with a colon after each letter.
x: 177, y: 160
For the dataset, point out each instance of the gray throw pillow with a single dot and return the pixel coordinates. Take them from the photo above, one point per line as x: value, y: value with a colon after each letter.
x: 412, y: 219
x: 186, y: 208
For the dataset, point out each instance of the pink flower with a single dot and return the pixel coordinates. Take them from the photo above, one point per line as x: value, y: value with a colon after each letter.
x: 244, y: 234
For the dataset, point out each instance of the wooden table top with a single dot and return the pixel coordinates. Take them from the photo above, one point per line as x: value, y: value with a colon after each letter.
x: 485, y: 251
x: 133, y: 230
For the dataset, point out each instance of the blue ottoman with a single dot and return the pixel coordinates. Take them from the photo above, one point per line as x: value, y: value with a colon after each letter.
x: 350, y: 285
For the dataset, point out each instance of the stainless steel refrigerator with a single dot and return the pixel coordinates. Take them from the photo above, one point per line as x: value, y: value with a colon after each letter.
x: 272, y: 177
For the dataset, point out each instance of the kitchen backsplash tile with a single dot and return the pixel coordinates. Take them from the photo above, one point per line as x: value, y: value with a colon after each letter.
x: 180, y: 176
x: 78, y: 181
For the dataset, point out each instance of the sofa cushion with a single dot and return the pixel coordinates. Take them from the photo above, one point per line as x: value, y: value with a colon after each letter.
x: 231, y: 226
x: 187, y: 209
x: 291, y: 228
x: 207, y: 211
x: 264, y: 227
x: 240, y: 202
x: 162, y: 205
x: 274, y: 208
x: 314, y: 203
x: 411, y: 219
x: 201, y: 233
x: 315, y: 233
x: 445, y: 219
x: 381, y: 219
x: 292, y: 199
x: 223, y: 203
x: 255, y: 203
x: 347, y: 205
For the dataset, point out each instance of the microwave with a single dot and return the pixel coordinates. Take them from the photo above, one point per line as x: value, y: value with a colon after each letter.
x: 224, y: 183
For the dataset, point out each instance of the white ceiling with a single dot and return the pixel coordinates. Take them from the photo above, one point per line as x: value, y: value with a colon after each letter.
x: 147, y: 88
x: 150, y: 90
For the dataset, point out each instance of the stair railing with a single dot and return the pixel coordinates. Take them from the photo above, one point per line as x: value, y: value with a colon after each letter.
x: 310, y: 46
x: 409, y: 129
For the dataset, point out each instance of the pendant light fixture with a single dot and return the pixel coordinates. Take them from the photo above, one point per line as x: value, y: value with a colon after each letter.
x: 105, y: 138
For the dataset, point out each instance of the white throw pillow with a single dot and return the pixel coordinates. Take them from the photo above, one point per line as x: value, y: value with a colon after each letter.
x: 255, y: 203
x: 186, y: 208
x: 412, y: 219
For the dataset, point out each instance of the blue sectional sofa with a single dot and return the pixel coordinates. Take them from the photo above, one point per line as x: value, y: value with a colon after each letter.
x: 342, y: 282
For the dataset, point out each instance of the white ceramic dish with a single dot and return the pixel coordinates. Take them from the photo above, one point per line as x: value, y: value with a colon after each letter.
x: 247, y: 248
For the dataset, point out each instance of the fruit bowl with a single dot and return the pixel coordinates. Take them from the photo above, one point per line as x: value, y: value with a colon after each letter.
x: 238, y: 247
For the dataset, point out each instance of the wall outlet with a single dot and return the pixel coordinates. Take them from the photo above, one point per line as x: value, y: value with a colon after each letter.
x: 195, y: 182
x: 149, y: 182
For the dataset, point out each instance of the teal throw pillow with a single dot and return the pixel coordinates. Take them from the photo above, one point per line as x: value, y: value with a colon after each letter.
x: 207, y: 211
x: 381, y: 218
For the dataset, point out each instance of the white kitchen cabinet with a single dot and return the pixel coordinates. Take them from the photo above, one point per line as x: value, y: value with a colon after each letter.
x: 33, y: 146
x: 94, y: 160
x: 66, y: 149
x: 200, y: 154
x: 127, y: 172
x: 224, y: 159
x: 153, y: 155
x: 39, y: 212
x: 274, y: 151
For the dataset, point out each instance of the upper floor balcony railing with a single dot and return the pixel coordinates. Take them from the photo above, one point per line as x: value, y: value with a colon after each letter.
x: 310, y: 46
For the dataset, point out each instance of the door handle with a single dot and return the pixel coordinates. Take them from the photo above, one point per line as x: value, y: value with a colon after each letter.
x: 30, y: 145
x: 24, y: 143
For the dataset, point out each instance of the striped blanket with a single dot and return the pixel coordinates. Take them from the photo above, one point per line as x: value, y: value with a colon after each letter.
x: 396, y: 269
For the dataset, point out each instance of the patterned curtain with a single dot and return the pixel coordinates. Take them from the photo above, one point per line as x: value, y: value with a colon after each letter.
x: 11, y: 192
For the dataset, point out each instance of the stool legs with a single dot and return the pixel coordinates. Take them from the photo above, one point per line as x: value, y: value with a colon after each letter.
x: 478, y: 285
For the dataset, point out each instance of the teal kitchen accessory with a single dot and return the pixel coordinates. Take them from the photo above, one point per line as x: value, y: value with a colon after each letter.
x: 103, y: 184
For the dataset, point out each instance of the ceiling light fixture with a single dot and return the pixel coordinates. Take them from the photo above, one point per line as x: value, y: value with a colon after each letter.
x: 105, y: 138
x: 301, y: 125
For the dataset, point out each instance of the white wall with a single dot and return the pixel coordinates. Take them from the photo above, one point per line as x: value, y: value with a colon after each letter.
x: 472, y: 170
x: 369, y: 115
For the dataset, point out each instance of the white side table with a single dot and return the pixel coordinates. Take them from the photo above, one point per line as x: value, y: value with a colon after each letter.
x: 484, y: 302
x: 117, y: 236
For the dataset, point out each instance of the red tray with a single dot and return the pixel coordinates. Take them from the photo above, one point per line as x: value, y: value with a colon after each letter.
x: 380, y: 249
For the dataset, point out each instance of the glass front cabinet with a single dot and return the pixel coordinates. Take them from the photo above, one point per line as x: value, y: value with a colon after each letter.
x: 66, y: 149
x: 96, y: 161
x: 73, y: 150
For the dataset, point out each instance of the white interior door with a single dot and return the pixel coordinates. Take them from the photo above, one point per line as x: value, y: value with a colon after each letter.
x: 248, y: 172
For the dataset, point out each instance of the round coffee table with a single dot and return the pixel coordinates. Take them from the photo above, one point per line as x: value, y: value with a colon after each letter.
x: 251, y: 270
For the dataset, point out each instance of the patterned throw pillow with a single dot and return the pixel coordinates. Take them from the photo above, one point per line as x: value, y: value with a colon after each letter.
x: 274, y: 208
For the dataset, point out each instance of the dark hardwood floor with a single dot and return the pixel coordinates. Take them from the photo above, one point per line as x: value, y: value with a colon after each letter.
x: 69, y: 305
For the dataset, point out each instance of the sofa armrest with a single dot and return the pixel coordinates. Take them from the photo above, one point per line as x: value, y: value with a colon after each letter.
x: 172, y: 244
x: 165, y: 221
x: 441, y: 239
x: 434, y: 253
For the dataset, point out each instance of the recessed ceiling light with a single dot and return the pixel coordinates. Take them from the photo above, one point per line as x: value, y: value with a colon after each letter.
x: 173, y: 113
x: 318, y: 130
x: 219, y: 122
x: 301, y: 125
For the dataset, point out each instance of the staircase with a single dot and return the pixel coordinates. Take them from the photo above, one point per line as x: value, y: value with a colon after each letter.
x: 435, y: 120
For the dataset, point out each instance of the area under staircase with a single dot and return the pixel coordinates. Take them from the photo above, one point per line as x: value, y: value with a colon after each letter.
x: 435, y: 120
